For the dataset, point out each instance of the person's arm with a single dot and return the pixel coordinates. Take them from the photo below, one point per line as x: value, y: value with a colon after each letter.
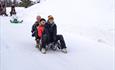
x: 14, y: 9
x: 46, y: 29
x: 32, y: 28
x: 54, y: 32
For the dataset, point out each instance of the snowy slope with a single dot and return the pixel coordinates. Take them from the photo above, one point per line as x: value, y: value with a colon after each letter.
x: 88, y: 36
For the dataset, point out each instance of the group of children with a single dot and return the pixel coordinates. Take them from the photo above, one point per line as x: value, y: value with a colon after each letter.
x: 46, y: 33
x: 3, y: 10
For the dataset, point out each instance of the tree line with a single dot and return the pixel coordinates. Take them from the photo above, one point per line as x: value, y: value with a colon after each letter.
x: 21, y: 3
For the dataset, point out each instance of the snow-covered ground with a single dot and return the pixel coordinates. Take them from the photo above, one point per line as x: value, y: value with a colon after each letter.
x: 88, y: 29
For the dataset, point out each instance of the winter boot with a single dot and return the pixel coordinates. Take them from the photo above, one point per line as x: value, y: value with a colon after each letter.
x: 43, y: 50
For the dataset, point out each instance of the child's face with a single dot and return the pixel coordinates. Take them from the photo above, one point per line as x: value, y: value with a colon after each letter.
x: 43, y: 22
x: 51, y: 21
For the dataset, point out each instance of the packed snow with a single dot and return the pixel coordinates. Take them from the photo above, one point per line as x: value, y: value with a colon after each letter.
x: 87, y: 27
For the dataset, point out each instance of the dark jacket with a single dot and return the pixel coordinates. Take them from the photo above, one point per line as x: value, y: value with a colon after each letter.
x: 51, y: 31
x: 34, y: 29
x: 1, y: 9
x: 50, y: 36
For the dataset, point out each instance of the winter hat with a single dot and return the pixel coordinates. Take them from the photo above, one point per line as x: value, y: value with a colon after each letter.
x: 50, y: 17
x: 42, y: 19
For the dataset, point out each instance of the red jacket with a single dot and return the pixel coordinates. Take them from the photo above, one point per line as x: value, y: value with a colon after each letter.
x: 40, y: 30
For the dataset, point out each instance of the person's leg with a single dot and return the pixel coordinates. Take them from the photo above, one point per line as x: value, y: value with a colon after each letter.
x: 10, y: 13
x: 62, y: 42
x: 37, y: 42
x: 13, y: 13
x: 2, y: 13
x: 6, y: 14
x: 44, y: 41
x: 37, y: 38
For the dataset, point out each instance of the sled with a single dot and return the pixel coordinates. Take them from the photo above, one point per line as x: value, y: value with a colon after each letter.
x: 50, y: 46
x: 16, y: 21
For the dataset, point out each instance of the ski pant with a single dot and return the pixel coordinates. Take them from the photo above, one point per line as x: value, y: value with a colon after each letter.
x: 12, y: 13
x: 4, y: 13
x: 61, y: 39
x: 46, y: 40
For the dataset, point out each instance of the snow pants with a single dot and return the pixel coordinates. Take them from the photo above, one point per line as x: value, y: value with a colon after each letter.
x: 46, y: 40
